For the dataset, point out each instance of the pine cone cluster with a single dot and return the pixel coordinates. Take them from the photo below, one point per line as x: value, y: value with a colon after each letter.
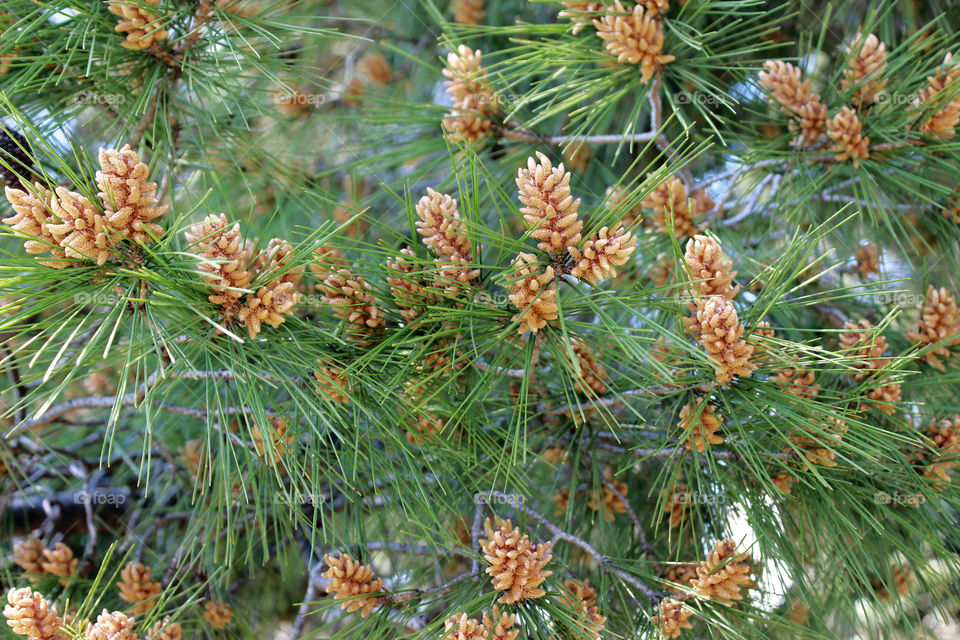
x: 945, y: 435
x: 461, y: 627
x: 868, y: 348
x: 582, y: 598
x: 218, y: 613
x: 516, y: 564
x: 941, y: 93
x: 356, y: 307
x: 605, y: 500
x: 474, y: 103
x: 28, y: 554
x: 673, y: 618
x: 332, y: 381
x: 723, y: 572
x: 939, y: 324
x: 138, y: 588
x: 820, y: 447
x: 231, y: 265
x: 704, y: 432
x: 534, y: 293
x: 865, y: 70
x: 593, y: 378
x: 327, y: 259
x: 411, y: 291
x: 111, y: 626
x: 549, y: 207
x: 165, y: 630
x: 711, y: 274
x: 679, y: 574
x: 468, y: 11
x: 350, y: 579
x: 29, y: 614
x: 602, y: 254
x: 845, y: 130
x: 672, y: 207
x: 68, y: 224
x: 796, y: 98
x: 580, y: 14
x: 721, y: 334
x: 139, y: 24
x: 445, y: 234
x: 59, y: 561
x: 797, y: 380
x: 868, y: 259
x: 634, y: 38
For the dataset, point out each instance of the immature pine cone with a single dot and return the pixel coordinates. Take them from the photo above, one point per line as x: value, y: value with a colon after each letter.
x: 634, y: 38
x: 820, y: 448
x: 218, y: 613
x: 460, y: 627
x: 111, y: 626
x: 83, y: 230
x: 602, y: 254
x: 593, y: 377
x: 549, y: 208
x: 59, y: 561
x: 723, y: 573
x: 354, y: 305
x: 445, y: 235
x: 332, y: 381
x: 410, y: 291
x: 580, y: 14
x: 704, y: 260
x: 28, y: 614
x: 605, y: 500
x: 325, y: 260
x: 468, y: 11
x: 868, y: 260
x: 671, y: 207
x: 534, y: 294
x: 27, y: 554
x: 516, y: 565
x: 268, y: 305
x: 798, y: 381
x: 672, y: 618
x: 137, y: 588
x: 942, y: 94
x: 474, y: 103
x: 868, y: 347
x: 679, y: 574
x: 376, y: 68
x: 224, y: 248
x: 703, y: 433
x: 136, y: 23
x: 795, y: 97
x: 129, y: 200
x: 865, y: 71
x: 350, y: 579
x: 939, y: 321
x: 945, y: 434
x: 582, y: 598
x: 721, y: 334
x: 845, y: 130
x: 34, y: 218
x: 165, y: 630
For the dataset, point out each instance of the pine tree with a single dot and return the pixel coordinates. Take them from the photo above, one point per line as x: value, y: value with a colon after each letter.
x: 502, y: 319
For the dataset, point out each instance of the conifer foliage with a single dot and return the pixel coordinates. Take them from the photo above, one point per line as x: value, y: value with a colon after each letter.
x: 481, y: 319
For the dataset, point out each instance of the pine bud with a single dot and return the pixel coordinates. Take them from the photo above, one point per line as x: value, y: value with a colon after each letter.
x: 376, y: 68
x: 474, y: 103
x: 602, y: 254
x: 820, y: 447
x: 28, y: 553
x: 865, y: 71
x: 672, y: 208
x: 939, y: 323
x: 59, y: 561
x: 634, y: 38
x: 721, y: 334
x: 137, y: 587
x: 945, y: 435
x: 580, y: 14
x: 534, y: 294
x: 332, y: 381
x: 29, y: 614
x: 796, y: 99
x: 165, y: 630
x: 704, y: 260
x: 868, y: 259
x: 605, y: 500
x: 356, y: 307
x: 593, y: 377
x: 111, y: 626
x: 468, y: 11
x: 218, y: 613
x: 723, y: 572
x: 349, y: 579
x: 139, y: 25
x: 516, y: 564
x: 582, y: 598
x: 941, y: 92
x: 845, y: 130
x: 703, y: 433
x: 549, y: 208
x: 130, y: 201
x: 672, y: 619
